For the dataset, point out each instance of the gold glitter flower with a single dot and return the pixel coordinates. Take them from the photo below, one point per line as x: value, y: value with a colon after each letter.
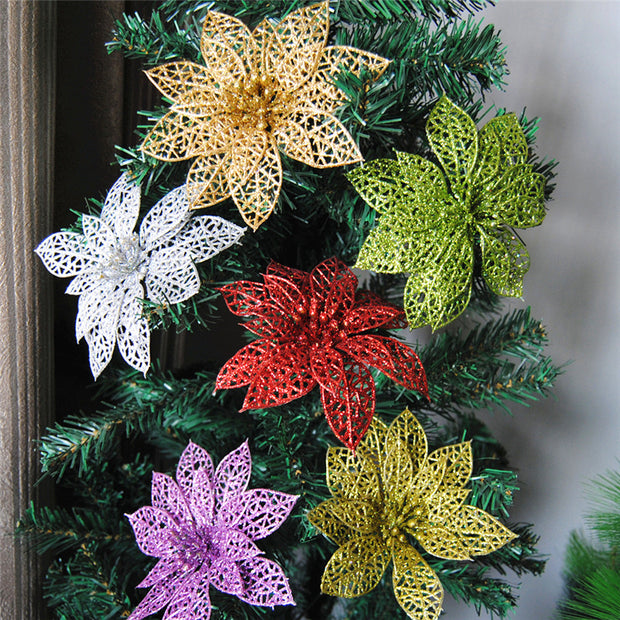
x: 389, y: 491
x: 257, y: 92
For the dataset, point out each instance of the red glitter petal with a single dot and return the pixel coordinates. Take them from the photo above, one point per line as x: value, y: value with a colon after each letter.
x: 286, y: 295
x: 240, y: 369
x: 281, y: 379
x: 245, y: 298
x: 350, y: 405
x: 301, y: 279
x: 333, y: 287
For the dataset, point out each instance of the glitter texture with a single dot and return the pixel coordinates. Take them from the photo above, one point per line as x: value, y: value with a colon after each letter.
x: 432, y: 220
x: 109, y: 262
x: 390, y: 491
x: 257, y: 92
x: 202, y: 527
x: 311, y: 331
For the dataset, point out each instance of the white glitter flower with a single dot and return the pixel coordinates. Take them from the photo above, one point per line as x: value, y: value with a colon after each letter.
x: 109, y: 262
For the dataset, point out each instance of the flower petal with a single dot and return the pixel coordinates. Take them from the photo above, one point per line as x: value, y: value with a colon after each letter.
x: 370, y: 312
x: 201, y: 499
x: 172, y: 276
x: 409, y: 432
x: 440, y: 288
x: 154, y: 529
x: 337, y: 58
x: 316, y: 138
x: 416, y: 586
x: 286, y: 295
x: 246, y: 298
x: 350, y: 404
x: 392, y: 358
x: 442, y: 542
x: 99, y: 237
x: 505, y: 261
x: 300, y: 279
x: 353, y: 476
x: 83, y: 283
x: 191, y: 601
x: 207, y: 180
x: 193, y: 460
x: 121, y: 206
x: 386, y: 248
x: 459, y: 462
x: 518, y: 200
x: 205, y: 236
x: 66, y: 254
x: 162, y: 570
x: 167, y: 495
x: 185, y: 82
x: 480, y: 532
x: 175, y: 137
x: 242, y: 367
x: 397, y: 473
x: 327, y: 518
x: 226, y: 576
x: 283, y: 377
x: 333, y: 287
x: 225, y: 45
x: 292, y: 48
x: 264, y: 511
x: 234, y: 545
x: 356, y: 568
x: 233, y: 474
x: 453, y: 137
x: 254, y: 176
x: 265, y: 583
x: 164, y: 219
x: 133, y: 335
x: 159, y: 595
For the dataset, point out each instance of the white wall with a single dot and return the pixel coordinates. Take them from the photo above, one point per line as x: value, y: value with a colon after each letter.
x: 564, y: 61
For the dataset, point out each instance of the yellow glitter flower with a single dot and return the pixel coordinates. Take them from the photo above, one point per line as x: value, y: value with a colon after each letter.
x: 389, y: 491
x: 256, y: 92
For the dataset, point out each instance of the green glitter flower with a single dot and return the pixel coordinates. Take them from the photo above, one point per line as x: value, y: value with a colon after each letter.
x: 432, y: 219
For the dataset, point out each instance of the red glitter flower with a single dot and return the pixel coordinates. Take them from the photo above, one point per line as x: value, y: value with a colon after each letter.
x: 310, y: 328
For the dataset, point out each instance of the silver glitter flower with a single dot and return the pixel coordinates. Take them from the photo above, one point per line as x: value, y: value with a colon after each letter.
x: 109, y: 262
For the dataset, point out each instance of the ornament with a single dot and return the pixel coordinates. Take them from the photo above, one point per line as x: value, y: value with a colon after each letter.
x: 390, y: 492
x: 432, y: 218
x: 312, y: 329
x: 110, y: 261
x: 202, y: 528
x: 256, y: 93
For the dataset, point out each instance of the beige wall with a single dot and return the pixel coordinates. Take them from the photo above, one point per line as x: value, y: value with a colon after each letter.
x: 565, y: 67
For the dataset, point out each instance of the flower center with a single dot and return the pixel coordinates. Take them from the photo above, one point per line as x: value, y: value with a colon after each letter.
x: 256, y: 102
x: 125, y: 258
x: 315, y: 328
x: 196, y: 546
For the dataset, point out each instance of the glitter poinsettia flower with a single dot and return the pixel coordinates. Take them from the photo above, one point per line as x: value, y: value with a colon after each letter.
x: 202, y: 527
x: 312, y: 329
x: 390, y: 493
x: 108, y: 262
x: 433, y: 218
x: 256, y: 93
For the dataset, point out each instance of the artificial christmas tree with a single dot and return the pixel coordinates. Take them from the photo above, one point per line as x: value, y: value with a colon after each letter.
x: 267, y: 107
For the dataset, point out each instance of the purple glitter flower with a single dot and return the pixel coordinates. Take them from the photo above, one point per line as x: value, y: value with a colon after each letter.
x: 202, y: 529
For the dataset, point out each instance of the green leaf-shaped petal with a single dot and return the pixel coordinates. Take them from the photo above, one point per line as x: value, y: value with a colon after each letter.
x: 386, y: 249
x: 416, y: 586
x: 504, y: 261
x: 356, y: 567
x: 518, y: 199
x: 439, y: 290
x: 454, y: 139
x: 380, y: 184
